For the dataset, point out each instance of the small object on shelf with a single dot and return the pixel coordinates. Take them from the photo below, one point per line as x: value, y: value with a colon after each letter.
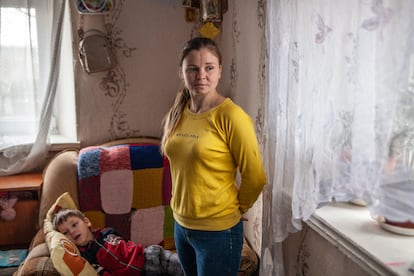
x: 402, y: 228
x: 411, y: 268
x: 358, y: 202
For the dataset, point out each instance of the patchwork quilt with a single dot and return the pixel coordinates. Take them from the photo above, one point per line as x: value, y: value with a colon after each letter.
x: 128, y: 187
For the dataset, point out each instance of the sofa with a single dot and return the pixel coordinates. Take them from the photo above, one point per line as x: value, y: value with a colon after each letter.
x: 123, y: 183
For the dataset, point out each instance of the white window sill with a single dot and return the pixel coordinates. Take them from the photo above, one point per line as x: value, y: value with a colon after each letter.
x: 60, y: 142
x: 353, y: 231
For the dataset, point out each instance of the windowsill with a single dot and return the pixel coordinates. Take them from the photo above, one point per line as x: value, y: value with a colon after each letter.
x: 60, y: 142
x: 362, y: 239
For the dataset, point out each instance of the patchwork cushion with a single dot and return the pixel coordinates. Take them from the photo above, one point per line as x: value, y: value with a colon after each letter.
x: 63, y: 253
x: 127, y: 187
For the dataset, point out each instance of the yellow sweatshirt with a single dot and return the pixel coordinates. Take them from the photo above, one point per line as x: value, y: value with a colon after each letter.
x: 205, y: 152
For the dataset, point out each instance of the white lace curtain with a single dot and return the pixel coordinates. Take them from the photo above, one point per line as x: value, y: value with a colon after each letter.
x: 30, y: 69
x: 338, y: 91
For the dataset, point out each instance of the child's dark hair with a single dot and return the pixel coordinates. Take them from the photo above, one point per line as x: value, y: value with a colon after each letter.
x: 62, y: 215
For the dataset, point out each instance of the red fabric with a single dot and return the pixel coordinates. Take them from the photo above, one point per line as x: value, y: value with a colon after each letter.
x: 127, y: 252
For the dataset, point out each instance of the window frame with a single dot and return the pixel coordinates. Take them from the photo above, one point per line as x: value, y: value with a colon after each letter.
x: 63, y: 127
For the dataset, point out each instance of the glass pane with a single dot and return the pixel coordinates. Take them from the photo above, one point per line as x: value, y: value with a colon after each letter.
x: 19, y: 71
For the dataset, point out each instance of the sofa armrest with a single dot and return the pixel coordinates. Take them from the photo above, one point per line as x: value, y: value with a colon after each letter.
x: 38, y: 260
x: 58, y: 177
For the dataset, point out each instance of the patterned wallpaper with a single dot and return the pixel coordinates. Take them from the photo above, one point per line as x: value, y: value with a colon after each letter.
x: 114, y: 83
x: 247, y: 82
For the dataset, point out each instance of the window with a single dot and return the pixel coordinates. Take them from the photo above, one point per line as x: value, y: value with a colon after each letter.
x: 339, y: 92
x: 24, y: 67
x: 63, y: 125
x: 18, y: 106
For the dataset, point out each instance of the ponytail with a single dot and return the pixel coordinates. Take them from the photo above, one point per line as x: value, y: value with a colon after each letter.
x: 172, y: 118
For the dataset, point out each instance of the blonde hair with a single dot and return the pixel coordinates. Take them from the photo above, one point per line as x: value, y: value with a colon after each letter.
x: 173, y: 117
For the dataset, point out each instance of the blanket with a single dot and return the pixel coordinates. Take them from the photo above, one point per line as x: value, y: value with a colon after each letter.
x: 127, y: 187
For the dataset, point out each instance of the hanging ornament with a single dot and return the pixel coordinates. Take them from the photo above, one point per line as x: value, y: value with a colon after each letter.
x: 209, y: 30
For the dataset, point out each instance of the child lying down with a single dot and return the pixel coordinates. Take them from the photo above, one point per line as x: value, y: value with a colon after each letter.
x: 109, y: 253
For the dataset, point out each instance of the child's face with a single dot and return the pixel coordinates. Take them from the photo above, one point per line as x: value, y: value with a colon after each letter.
x: 77, y: 230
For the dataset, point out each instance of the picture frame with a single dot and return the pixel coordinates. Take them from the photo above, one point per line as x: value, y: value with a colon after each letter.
x: 191, y: 14
x: 211, y: 10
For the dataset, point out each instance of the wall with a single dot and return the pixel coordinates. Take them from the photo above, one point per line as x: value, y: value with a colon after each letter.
x: 133, y: 98
x: 306, y: 253
x: 244, y: 50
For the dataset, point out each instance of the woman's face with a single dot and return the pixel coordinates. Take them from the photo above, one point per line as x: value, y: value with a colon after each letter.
x: 201, y: 71
x: 77, y: 230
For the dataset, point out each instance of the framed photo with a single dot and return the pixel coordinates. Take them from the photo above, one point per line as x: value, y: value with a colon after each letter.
x: 191, y: 14
x: 211, y: 10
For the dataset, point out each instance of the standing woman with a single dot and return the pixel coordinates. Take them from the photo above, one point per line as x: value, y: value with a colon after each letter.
x: 207, y: 139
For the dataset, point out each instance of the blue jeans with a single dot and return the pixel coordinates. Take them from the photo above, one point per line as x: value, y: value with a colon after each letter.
x: 206, y: 253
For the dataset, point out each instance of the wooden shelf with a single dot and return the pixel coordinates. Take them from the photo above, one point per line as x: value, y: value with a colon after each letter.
x: 22, y: 182
x: 23, y: 227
